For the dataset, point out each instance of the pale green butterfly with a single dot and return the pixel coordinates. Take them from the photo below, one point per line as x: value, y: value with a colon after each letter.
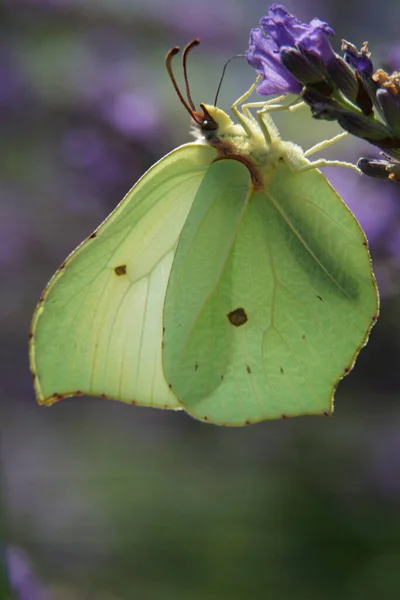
x: 231, y: 281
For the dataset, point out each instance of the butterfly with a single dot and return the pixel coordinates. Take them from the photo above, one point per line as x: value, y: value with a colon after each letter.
x: 232, y: 282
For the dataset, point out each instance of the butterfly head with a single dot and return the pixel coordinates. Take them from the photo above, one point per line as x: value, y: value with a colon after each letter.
x: 208, y: 121
x: 211, y: 125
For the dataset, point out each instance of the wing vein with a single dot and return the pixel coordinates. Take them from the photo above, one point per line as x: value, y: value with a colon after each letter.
x: 305, y: 245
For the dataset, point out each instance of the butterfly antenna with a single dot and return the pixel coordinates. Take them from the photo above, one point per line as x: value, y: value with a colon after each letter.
x: 168, y: 63
x: 186, y: 51
x: 223, y: 75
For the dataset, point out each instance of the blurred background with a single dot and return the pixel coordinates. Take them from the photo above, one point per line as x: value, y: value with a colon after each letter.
x: 104, y: 501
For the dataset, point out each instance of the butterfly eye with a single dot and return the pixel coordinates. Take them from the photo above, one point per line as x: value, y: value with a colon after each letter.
x: 209, y: 125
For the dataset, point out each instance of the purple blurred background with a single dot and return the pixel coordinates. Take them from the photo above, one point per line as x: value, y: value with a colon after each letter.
x: 109, y: 502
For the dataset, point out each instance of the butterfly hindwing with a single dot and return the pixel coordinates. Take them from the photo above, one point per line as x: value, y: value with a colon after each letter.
x: 280, y: 318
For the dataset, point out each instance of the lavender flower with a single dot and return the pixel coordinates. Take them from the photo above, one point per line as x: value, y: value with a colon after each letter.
x: 295, y: 57
x: 264, y: 56
x: 282, y: 38
x: 359, y: 60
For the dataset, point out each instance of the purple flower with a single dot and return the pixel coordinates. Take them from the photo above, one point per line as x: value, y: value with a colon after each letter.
x: 264, y: 56
x: 24, y: 582
x: 283, y: 35
x: 360, y: 61
x: 286, y: 30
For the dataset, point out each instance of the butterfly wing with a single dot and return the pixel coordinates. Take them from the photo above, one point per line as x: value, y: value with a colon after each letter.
x: 97, y: 329
x: 324, y: 299
x: 197, y: 342
x: 290, y: 302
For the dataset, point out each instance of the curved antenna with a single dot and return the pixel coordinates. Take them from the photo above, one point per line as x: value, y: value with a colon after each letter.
x: 191, y: 109
x: 186, y: 51
x: 223, y: 74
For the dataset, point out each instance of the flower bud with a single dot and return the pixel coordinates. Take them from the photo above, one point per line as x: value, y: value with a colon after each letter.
x: 383, y: 169
x: 321, y: 107
x: 344, y: 77
x: 309, y: 73
x: 390, y: 105
x: 374, y: 167
x: 360, y: 61
x: 359, y: 125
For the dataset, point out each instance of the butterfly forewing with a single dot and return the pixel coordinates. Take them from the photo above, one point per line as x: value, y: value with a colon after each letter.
x: 98, y: 327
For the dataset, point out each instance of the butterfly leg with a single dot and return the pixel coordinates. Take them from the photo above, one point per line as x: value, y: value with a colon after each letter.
x: 318, y: 164
x: 274, y: 105
x: 325, y: 144
x: 244, y: 121
x: 270, y: 106
x: 244, y: 97
x: 262, y: 104
x: 244, y: 114
x: 262, y: 116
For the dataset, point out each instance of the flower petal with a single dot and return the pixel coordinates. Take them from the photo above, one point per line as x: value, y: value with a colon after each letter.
x: 284, y: 28
x: 263, y: 55
x: 360, y: 61
x: 281, y: 30
x: 315, y: 40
